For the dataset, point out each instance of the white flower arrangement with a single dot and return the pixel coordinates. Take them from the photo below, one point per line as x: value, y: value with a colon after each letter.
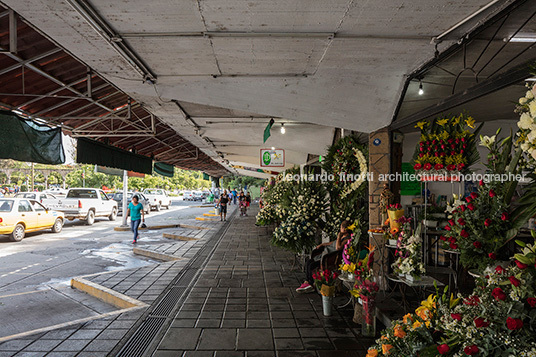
x: 527, y: 125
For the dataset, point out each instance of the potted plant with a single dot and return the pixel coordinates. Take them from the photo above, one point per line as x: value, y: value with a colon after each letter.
x: 325, y: 283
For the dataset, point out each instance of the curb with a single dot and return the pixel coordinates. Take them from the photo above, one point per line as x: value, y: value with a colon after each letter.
x: 177, y: 237
x: 125, y: 303
x: 154, y: 255
x: 210, y: 215
x: 104, y: 294
x: 201, y: 206
x: 165, y: 226
x: 205, y: 219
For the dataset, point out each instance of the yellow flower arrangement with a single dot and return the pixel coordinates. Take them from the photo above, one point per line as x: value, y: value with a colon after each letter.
x: 470, y: 121
x: 442, y: 122
x: 416, y: 324
x: 421, y: 124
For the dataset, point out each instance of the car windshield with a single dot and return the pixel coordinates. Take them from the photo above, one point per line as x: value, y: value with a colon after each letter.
x: 6, y: 205
x: 153, y: 192
x: 25, y: 195
x: 119, y: 196
x: 82, y: 194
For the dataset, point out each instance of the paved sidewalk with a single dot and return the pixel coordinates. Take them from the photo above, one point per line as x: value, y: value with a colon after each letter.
x: 244, y: 304
x: 98, y: 337
x: 235, y: 297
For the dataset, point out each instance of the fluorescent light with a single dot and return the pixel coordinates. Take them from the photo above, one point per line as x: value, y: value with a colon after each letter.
x: 421, y: 91
x: 532, y: 79
x: 523, y: 39
x: 283, y: 130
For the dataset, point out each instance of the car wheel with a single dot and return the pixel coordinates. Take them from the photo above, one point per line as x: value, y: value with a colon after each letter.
x: 113, y: 215
x: 90, y: 218
x: 58, y: 225
x: 18, y: 233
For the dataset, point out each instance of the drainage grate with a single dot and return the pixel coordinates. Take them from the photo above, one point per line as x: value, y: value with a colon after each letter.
x: 142, y: 338
x: 166, y: 305
x: 157, y: 321
x: 186, y: 278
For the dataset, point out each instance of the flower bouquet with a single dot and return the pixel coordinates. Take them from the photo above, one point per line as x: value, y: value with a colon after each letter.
x: 408, y: 255
x: 447, y: 146
x: 325, y: 283
x: 526, y: 136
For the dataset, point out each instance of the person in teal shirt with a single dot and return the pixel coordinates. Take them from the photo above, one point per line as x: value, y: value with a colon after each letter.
x: 135, y: 211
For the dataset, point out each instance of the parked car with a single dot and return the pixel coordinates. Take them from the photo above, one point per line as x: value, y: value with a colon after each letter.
x: 118, y: 197
x: 38, y: 196
x: 57, y: 191
x: 157, y: 198
x: 20, y: 215
x: 84, y: 204
x: 188, y: 196
x: 198, y: 196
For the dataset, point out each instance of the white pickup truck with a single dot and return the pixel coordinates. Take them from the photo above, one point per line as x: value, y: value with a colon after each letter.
x: 84, y: 204
x: 157, y: 198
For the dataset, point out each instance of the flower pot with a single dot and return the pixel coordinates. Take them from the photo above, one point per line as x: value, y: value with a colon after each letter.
x: 327, y: 305
x: 412, y: 278
x: 393, y: 217
x: 368, y: 324
x: 429, y: 223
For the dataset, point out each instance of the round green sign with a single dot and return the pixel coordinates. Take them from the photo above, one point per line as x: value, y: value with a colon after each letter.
x: 266, y: 158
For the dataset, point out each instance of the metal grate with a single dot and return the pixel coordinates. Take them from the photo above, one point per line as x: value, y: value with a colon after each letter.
x: 160, y: 317
x: 142, y: 338
x: 166, y: 305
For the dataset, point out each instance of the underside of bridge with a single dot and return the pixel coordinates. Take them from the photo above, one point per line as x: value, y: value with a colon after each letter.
x: 195, y: 83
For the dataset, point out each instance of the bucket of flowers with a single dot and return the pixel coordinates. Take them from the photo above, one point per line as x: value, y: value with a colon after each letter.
x: 394, y: 211
x: 366, y: 289
x: 408, y: 255
x: 325, y: 282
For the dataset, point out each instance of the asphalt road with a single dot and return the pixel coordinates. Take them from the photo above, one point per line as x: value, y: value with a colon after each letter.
x: 35, y: 273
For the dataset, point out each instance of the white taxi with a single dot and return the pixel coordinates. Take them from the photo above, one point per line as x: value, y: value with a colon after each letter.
x: 20, y: 215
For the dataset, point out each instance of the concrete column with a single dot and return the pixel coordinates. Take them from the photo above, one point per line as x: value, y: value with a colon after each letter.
x: 379, y: 164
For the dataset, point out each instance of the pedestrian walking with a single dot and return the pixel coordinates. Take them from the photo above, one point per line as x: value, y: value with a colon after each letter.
x: 135, y: 211
x: 243, y: 204
x: 235, y: 194
x: 248, y: 202
x: 223, y: 201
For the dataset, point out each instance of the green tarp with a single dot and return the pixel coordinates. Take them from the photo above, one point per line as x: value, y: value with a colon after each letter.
x: 94, y: 152
x: 164, y: 169
x: 24, y: 140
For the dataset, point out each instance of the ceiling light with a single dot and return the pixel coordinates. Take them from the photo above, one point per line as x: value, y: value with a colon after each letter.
x: 421, y: 91
x: 521, y: 39
x: 283, y: 130
x: 273, y: 148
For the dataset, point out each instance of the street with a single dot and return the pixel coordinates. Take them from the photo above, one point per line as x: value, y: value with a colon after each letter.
x: 35, y: 273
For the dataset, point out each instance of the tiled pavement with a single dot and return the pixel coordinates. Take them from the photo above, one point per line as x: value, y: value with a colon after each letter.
x: 242, y: 304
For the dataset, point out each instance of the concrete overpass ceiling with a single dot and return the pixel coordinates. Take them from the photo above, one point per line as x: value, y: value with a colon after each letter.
x: 312, y: 64
x: 482, y: 75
